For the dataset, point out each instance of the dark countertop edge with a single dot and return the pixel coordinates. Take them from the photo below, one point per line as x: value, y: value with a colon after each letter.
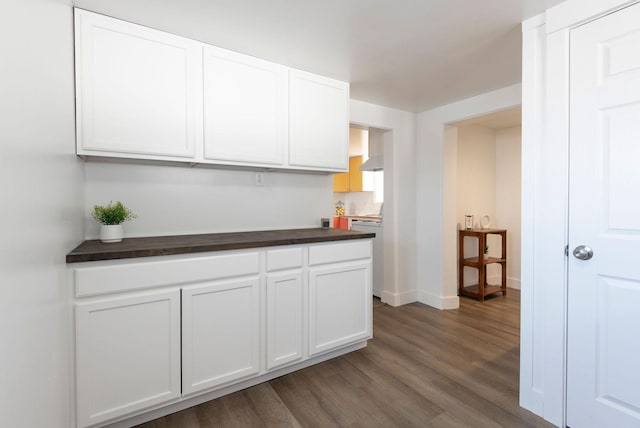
x: 79, y: 255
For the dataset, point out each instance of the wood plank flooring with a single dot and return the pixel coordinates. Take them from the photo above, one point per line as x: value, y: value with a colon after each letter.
x: 423, y: 368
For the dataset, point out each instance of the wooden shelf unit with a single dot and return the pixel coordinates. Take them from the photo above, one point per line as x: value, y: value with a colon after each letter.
x: 481, y: 289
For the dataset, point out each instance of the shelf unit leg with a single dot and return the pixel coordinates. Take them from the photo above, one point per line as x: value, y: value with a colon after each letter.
x: 482, y: 272
x: 504, y: 265
x: 460, y: 265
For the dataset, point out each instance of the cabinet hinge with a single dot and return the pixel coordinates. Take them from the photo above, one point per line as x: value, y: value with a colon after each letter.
x: 566, y: 251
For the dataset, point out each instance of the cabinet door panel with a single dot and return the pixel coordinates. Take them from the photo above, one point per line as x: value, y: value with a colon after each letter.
x: 355, y: 175
x: 244, y: 108
x: 220, y: 333
x: 341, y: 182
x: 318, y: 122
x: 137, y: 89
x: 128, y: 354
x: 284, y: 319
x: 340, y: 302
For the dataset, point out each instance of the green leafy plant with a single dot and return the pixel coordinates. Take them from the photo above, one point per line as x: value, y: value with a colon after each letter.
x: 486, y: 249
x: 112, y: 213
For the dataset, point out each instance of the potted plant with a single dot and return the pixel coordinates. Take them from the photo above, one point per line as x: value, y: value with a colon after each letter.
x: 486, y: 252
x: 111, y: 217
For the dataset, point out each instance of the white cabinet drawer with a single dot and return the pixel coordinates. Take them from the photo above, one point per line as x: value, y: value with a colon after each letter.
x: 334, y: 253
x: 98, y: 280
x: 288, y: 258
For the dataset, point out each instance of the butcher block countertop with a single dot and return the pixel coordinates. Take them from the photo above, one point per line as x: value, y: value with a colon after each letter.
x: 94, y: 250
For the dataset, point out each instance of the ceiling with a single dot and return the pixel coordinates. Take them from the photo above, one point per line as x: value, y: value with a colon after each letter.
x: 408, y: 54
x: 498, y: 120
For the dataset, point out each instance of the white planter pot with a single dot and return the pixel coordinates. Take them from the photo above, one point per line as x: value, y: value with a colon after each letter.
x: 111, y: 233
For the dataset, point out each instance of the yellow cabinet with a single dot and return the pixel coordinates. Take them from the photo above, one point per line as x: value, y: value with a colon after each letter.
x: 341, y: 182
x: 349, y: 181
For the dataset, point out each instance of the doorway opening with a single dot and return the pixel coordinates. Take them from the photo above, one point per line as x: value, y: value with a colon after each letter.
x: 487, y: 196
x: 359, y: 196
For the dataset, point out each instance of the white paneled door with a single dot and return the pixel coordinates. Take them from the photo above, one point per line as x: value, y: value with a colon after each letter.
x: 603, y: 384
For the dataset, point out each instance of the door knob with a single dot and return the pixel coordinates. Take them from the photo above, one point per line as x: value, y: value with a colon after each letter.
x: 582, y: 252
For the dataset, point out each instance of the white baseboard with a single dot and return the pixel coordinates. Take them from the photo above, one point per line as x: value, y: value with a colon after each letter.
x: 398, y: 299
x: 511, y: 282
x: 439, y: 302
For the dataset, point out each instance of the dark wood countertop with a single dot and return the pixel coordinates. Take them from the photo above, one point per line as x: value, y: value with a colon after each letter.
x: 94, y: 250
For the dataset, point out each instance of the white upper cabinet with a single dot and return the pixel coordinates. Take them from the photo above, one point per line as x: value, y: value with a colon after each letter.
x: 318, y: 122
x: 146, y: 94
x: 245, y: 104
x: 138, y: 90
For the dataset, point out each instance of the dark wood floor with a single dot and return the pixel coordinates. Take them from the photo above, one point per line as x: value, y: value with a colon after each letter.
x: 424, y: 368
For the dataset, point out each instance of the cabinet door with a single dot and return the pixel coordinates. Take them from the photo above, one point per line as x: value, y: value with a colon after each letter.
x: 341, y: 182
x: 339, y: 305
x: 355, y: 175
x: 128, y: 354
x: 138, y: 90
x: 284, y: 318
x: 220, y: 333
x: 318, y: 122
x: 244, y: 108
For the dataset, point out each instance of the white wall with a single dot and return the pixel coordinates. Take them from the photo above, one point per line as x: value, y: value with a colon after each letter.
x: 177, y: 199
x: 476, y: 190
x: 400, y: 281
x: 435, y: 192
x: 358, y: 142
x: 508, y: 196
x: 41, y: 211
x: 476, y: 168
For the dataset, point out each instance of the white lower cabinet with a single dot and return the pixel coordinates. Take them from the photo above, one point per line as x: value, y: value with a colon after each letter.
x: 220, y: 333
x: 127, y: 354
x: 340, y: 302
x: 163, y: 331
